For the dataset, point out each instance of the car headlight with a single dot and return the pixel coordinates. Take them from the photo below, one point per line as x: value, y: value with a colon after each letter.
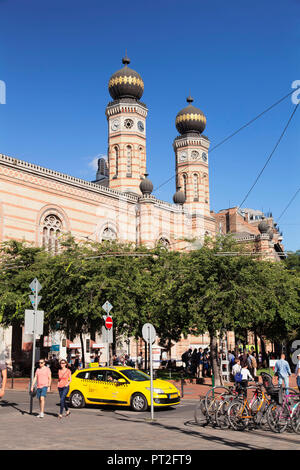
x: 157, y: 390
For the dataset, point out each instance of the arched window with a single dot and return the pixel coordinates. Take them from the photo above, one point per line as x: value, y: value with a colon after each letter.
x: 52, y: 227
x: 129, y: 160
x: 108, y: 235
x: 184, y: 183
x: 164, y: 243
x: 116, y: 152
x: 196, y: 186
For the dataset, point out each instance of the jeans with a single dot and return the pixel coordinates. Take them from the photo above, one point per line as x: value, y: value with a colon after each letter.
x: 63, y: 391
x: 285, y: 379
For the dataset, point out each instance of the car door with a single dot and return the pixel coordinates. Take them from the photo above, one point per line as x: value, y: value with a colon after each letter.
x: 96, y: 383
x: 115, y: 392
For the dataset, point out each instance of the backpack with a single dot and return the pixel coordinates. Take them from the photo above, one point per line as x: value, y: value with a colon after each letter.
x: 238, y: 376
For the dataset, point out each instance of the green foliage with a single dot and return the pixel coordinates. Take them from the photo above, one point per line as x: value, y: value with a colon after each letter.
x: 179, y: 293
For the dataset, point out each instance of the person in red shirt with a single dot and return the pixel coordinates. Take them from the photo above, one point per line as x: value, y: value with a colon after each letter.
x: 43, y: 379
x: 64, y: 379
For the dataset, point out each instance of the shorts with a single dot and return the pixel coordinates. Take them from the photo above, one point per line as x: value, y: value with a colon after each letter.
x: 41, y: 392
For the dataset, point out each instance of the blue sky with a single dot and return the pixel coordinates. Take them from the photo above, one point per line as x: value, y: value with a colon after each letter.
x: 235, y: 58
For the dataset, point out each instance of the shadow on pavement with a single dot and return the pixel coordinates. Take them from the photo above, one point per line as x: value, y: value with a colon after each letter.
x: 229, y: 442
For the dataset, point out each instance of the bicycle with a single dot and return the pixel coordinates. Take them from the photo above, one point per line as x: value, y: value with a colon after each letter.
x: 205, y: 410
x: 242, y: 410
x: 285, y: 412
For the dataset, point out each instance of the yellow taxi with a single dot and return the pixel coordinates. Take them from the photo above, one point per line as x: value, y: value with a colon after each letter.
x: 120, y: 385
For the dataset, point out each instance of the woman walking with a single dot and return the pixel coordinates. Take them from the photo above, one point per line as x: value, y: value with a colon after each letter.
x: 64, y: 379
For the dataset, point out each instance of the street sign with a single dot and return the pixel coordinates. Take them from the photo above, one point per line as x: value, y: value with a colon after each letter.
x: 35, y: 300
x: 35, y: 286
x: 149, y: 333
x: 108, y: 322
x: 31, y: 322
x: 107, y: 307
x: 107, y: 335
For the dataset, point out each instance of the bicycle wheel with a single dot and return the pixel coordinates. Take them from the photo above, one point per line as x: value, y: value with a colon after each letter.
x: 221, y: 416
x: 277, y: 417
x: 296, y: 418
x: 237, y: 413
x: 200, y: 413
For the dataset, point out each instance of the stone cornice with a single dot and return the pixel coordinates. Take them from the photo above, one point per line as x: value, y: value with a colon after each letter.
x: 40, y: 171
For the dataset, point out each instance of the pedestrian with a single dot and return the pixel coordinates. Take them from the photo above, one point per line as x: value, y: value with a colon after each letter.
x: 43, y: 380
x: 64, y: 380
x: 140, y: 361
x: 297, y: 372
x: 231, y: 360
x: 186, y: 358
x: 3, y: 378
x: 283, y: 371
x: 236, y: 367
x: 200, y: 362
x: 194, y: 362
x: 243, y: 358
x: 246, y: 376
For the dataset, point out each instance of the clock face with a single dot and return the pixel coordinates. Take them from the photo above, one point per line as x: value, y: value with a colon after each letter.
x: 195, y: 155
x: 115, y: 124
x: 183, y: 157
x: 128, y: 123
x: 204, y: 157
x: 141, y: 126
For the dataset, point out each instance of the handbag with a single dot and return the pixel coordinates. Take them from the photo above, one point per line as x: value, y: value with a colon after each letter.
x: 33, y: 392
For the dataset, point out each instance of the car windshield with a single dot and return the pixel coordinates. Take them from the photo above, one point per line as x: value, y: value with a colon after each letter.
x: 135, y: 375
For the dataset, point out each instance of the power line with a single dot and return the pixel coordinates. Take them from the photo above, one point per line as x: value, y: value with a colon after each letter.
x: 288, y: 205
x: 233, y: 134
x: 271, y: 154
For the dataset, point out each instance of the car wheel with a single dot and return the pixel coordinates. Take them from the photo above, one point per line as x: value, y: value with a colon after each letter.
x: 77, y: 399
x: 139, y: 402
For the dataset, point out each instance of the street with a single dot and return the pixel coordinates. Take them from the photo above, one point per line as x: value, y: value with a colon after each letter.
x: 110, y: 428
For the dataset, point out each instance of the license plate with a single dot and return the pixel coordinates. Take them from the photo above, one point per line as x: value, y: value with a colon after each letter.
x: 172, y: 395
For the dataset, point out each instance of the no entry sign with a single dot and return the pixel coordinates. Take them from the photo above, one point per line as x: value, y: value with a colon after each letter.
x: 108, y: 322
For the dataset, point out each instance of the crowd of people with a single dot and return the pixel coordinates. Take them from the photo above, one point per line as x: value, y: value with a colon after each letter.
x: 198, y: 362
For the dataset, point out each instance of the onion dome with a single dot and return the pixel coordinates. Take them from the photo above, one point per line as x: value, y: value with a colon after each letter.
x: 190, y: 119
x: 126, y: 83
x: 263, y: 226
x: 146, y: 186
x: 179, y: 197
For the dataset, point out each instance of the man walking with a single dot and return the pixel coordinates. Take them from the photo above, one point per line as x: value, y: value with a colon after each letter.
x: 43, y: 379
x: 282, y: 368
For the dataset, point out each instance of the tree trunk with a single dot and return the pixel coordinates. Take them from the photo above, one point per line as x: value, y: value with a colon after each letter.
x: 263, y: 353
x: 256, y: 345
x: 214, y: 358
x: 82, y: 350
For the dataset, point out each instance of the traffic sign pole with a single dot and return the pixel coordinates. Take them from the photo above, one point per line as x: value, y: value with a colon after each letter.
x: 151, y: 380
x: 149, y: 335
x: 35, y: 287
x: 108, y: 323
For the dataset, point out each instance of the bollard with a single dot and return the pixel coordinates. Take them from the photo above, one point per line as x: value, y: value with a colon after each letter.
x: 182, y: 391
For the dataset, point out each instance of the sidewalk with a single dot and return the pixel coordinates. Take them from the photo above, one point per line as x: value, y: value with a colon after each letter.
x: 191, y: 389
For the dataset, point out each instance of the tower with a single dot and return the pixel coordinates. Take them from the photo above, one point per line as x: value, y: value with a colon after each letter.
x: 126, y: 116
x: 191, y: 159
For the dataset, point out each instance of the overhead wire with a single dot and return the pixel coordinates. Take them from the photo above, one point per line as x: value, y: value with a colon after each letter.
x: 288, y: 205
x: 231, y: 135
x: 271, y: 155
